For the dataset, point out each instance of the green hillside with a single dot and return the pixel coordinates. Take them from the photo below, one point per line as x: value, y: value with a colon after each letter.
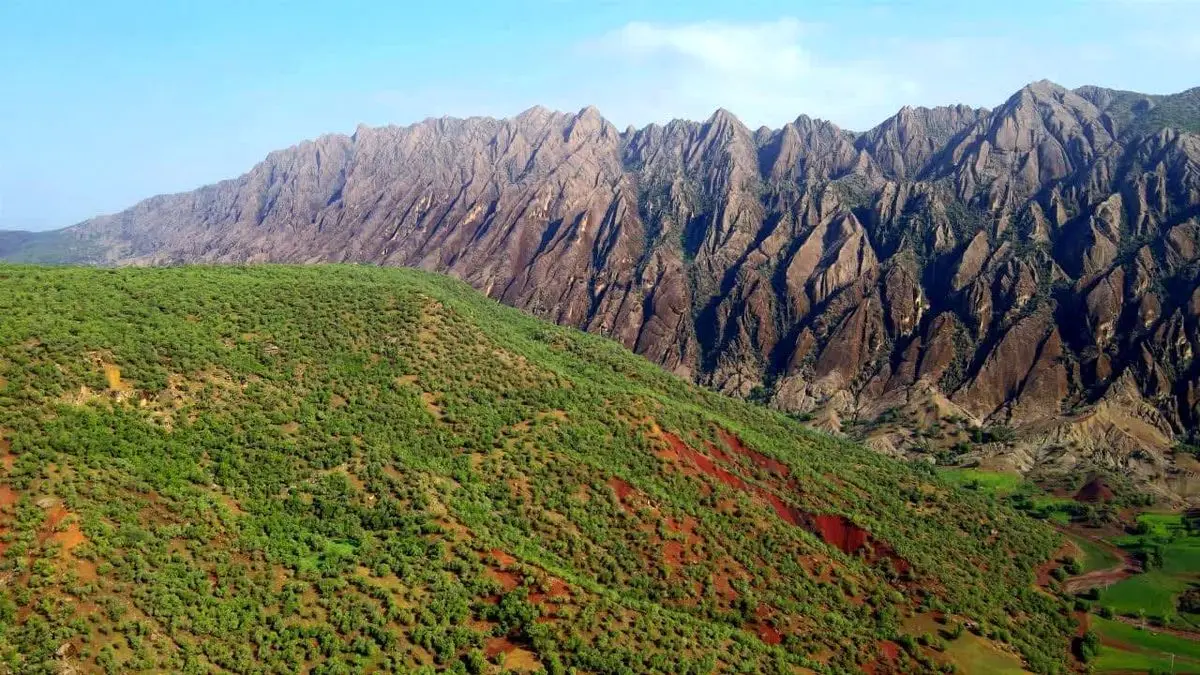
x: 347, y: 469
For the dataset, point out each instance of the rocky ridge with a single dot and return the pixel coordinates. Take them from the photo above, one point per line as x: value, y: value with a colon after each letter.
x: 1035, y: 266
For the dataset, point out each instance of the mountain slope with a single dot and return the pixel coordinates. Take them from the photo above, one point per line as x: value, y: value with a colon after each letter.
x: 358, y: 468
x: 1034, y: 265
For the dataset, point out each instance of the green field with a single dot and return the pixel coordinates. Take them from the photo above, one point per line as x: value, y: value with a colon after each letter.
x: 1152, y: 592
x: 1163, y: 525
x: 1127, y: 648
x: 1183, y: 558
x: 1174, y: 569
x: 991, y: 482
x: 1095, y: 557
x: 973, y: 654
x: 969, y: 652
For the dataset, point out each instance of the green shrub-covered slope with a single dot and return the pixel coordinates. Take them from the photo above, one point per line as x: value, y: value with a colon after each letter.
x: 345, y: 469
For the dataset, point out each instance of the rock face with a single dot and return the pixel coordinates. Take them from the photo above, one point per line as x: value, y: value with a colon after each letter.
x: 1015, y: 262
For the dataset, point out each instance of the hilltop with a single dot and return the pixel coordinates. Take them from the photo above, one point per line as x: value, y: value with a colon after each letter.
x: 345, y: 468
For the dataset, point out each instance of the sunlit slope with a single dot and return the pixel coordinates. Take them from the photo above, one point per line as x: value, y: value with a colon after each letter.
x: 349, y: 468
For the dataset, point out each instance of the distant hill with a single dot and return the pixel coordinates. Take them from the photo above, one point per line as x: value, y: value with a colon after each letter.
x: 342, y: 469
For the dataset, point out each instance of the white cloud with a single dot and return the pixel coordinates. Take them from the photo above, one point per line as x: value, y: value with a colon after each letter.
x: 856, y: 76
x: 855, y: 73
x: 764, y: 72
x: 732, y: 49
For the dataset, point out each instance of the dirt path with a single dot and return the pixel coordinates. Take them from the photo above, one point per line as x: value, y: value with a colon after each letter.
x: 1128, y: 567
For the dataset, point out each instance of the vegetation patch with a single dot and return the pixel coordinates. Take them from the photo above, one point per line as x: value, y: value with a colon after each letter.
x: 345, y: 469
x: 1129, y: 648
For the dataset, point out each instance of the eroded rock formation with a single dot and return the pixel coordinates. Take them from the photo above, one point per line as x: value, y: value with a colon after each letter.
x: 1016, y: 264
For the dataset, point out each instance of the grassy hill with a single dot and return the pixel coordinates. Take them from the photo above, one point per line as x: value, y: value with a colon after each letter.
x: 342, y: 469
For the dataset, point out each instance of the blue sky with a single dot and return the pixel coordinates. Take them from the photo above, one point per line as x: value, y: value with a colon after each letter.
x: 104, y: 103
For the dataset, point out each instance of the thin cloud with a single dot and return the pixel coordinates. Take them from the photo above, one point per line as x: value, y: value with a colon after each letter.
x: 763, y: 71
x: 769, y: 72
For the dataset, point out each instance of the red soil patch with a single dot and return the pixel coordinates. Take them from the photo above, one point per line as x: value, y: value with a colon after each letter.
x: 558, y: 589
x: 890, y: 651
x: 851, y: 539
x: 500, y: 645
x: 57, y: 514
x: 516, y: 658
x: 1042, y: 572
x: 789, y: 514
x: 673, y: 553
x: 687, y: 526
x: 1127, y: 568
x: 723, y: 587
x: 620, y: 487
x: 86, y: 570
x: 760, y: 460
x: 1096, y: 490
x: 507, y: 580
x: 70, y: 537
x: 503, y: 558
x: 840, y: 532
x: 680, y: 450
x: 768, y: 634
x: 1084, y: 623
x: 8, y: 496
x: 7, y: 459
x: 718, y: 453
x: 835, y: 530
x: 889, y: 655
x: 622, y: 490
x: 765, y: 631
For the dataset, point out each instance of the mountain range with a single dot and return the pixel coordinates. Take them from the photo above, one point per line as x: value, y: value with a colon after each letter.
x: 1027, y: 277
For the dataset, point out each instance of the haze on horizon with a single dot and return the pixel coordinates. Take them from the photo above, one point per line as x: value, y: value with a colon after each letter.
x: 105, y: 106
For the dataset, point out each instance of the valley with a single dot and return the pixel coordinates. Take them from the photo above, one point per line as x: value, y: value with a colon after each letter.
x: 1133, y: 571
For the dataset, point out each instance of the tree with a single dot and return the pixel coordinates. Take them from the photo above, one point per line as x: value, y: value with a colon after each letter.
x: 1089, y: 646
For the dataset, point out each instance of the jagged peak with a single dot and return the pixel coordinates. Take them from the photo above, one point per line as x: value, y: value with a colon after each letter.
x: 1041, y: 99
x: 909, y: 115
x: 535, y: 112
x: 805, y: 126
x: 1044, y: 87
x: 723, y: 117
x: 539, y: 115
x: 589, y: 112
x: 923, y: 111
x: 588, y: 122
x: 814, y: 122
x: 1042, y: 91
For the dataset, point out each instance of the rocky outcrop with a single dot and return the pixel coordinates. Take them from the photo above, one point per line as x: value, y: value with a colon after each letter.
x: 1013, y: 264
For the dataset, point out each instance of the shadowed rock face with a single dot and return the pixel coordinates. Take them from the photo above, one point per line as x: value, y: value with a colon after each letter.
x: 1016, y: 262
